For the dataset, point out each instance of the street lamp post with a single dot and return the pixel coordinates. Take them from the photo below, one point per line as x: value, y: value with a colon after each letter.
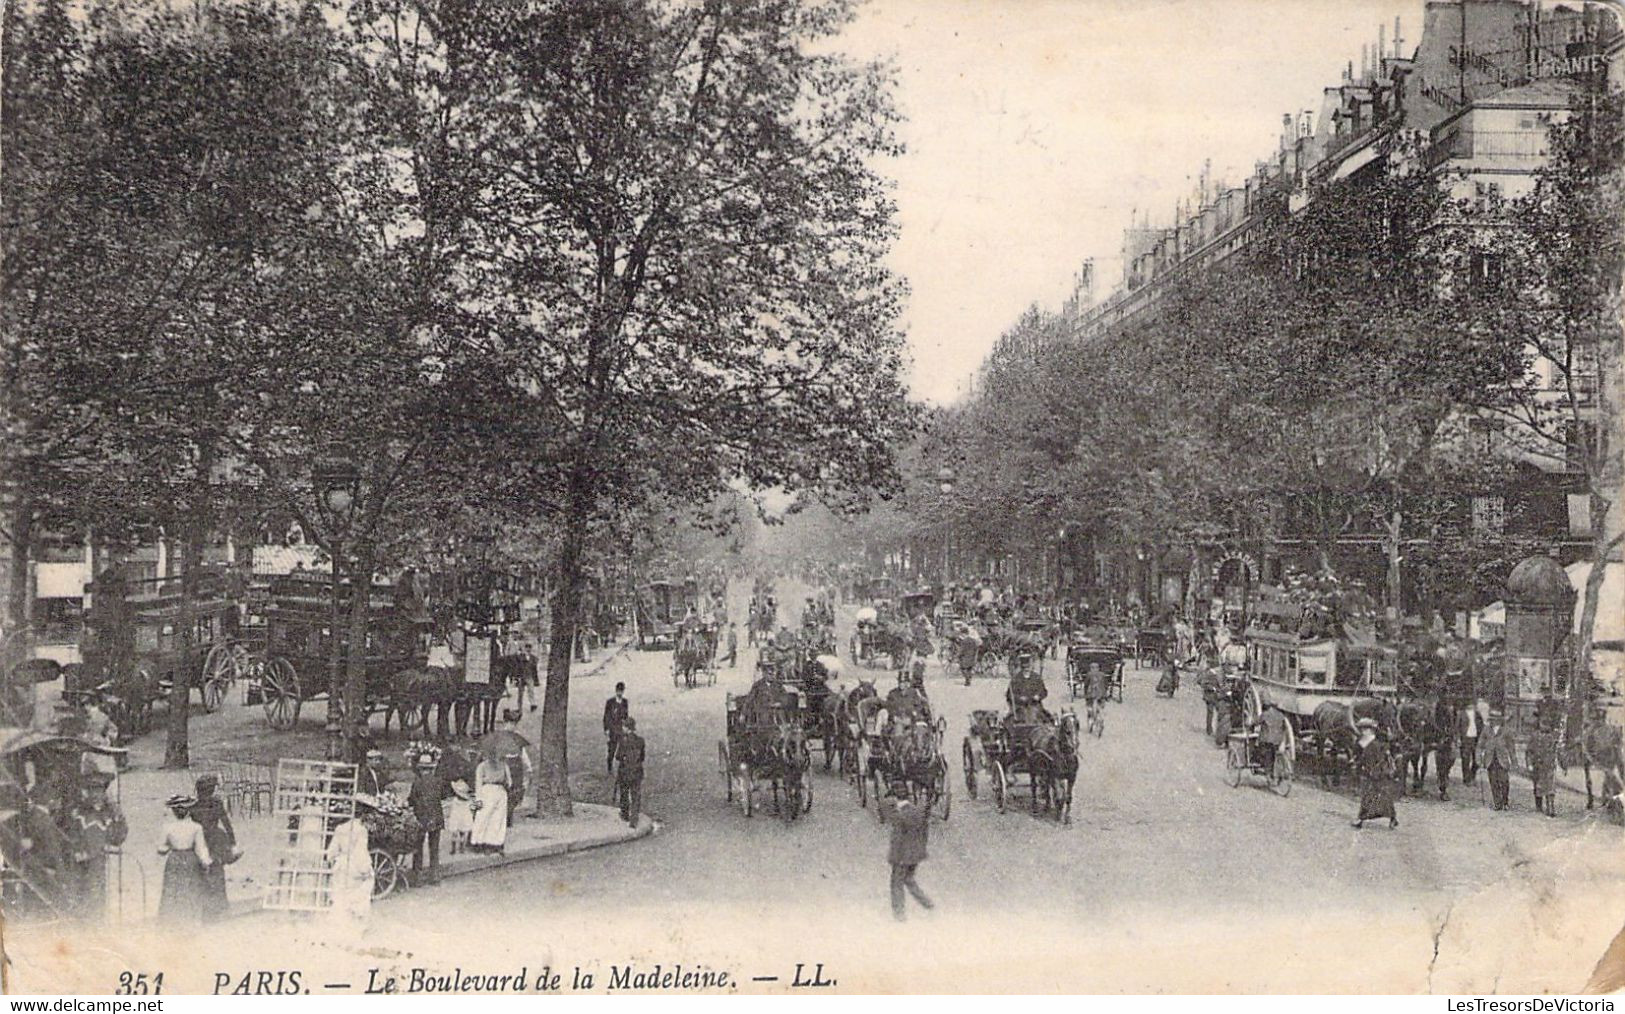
x: 945, y: 482
x: 334, y: 480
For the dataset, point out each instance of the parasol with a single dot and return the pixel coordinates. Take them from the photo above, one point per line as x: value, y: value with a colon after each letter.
x: 831, y: 664
x: 503, y: 743
x: 867, y: 614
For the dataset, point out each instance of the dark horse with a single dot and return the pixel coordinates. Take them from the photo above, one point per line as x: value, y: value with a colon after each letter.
x: 1337, y: 734
x: 1052, y: 764
x: 691, y: 654
x: 841, y: 711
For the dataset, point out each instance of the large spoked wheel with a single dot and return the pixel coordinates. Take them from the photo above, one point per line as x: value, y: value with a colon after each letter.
x: 219, y: 673
x: 806, y: 793
x: 1117, y: 687
x: 1001, y: 788
x: 279, y: 689
x: 386, y: 873
x: 1281, y: 774
x: 970, y: 769
x: 411, y: 716
x: 1234, y: 763
x: 727, y: 771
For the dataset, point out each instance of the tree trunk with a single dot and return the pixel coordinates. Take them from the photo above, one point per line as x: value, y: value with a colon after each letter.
x: 177, y: 751
x: 19, y: 634
x: 553, y: 781
x: 1393, y: 528
x: 355, y: 664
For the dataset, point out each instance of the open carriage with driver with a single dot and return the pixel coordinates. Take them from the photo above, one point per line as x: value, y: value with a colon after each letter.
x: 880, y: 639
x: 900, y: 743
x: 765, y: 747
x: 1030, y: 744
x: 693, y: 657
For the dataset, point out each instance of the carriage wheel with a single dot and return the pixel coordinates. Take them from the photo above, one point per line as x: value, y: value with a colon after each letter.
x: 852, y: 647
x: 386, y: 873
x: 676, y: 674
x: 970, y: 769
x: 1252, y: 707
x: 1117, y: 686
x: 219, y: 672
x: 942, y: 791
x: 411, y: 716
x: 747, y: 790
x: 806, y: 794
x: 1234, y: 762
x: 1001, y: 788
x: 863, y: 790
x: 1072, y: 685
x: 279, y: 687
x: 1281, y: 774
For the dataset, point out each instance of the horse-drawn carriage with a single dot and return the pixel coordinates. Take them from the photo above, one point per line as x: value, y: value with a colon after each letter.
x: 905, y: 748
x: 1044, y: 751
x: 1324, y: 677
x: 299, y: 649
x: 978, y: 650
x: 693, y: 658
x: 1080, y: 655
x: 659, y: 608
x: 880, y: 640
x: 765, y: 745
x: 134, y: 645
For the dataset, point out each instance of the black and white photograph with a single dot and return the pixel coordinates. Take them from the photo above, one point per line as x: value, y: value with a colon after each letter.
x: 812, y: 497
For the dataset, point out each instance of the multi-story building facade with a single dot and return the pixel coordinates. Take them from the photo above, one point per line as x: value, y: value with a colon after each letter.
x: 1476, y: 97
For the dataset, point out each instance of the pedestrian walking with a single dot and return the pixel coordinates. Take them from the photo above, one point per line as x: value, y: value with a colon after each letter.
x: 349, y: 859
x: 1543, y: 768
x: 615, y: 717
x: 491, y: 784
x: 95, y: 826
x: 1376, y: 766
x: 429, y: 790
x: 210, y: 813
x: 629, y: 776
x: 1470, y: 727
x: 733, y: 645
x: 910, y: 828
x: 1495, y: 754
x: 1442, y: 737
x: 183, y: 900
x: 528, y: 678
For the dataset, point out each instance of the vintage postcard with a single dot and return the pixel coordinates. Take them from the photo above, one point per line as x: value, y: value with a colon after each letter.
x: 511, y: 497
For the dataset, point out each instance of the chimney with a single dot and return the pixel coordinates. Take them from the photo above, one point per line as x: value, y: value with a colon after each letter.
x: 1382, y: 47
x: 1399, y: 52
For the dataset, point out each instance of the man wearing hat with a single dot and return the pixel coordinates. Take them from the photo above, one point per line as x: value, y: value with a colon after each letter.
x: 615, y: 719
x: 429, y: 790
x: 93, y: 826
x: 910, y: 829
x: 1495, y: 755
x: 372, y: 779
x: 629, y: 776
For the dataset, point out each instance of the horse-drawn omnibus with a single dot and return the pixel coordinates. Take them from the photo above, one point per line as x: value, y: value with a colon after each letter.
x: 1322, y: 676
x: 135, y: 644
x: 659, y: 608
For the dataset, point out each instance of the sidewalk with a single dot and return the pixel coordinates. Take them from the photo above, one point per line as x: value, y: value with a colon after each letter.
x: 136, y: 874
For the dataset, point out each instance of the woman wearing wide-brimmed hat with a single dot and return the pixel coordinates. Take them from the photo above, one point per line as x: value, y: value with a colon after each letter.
x: 1376, y: 766
x: 186, y: 853
x: 349, y: 857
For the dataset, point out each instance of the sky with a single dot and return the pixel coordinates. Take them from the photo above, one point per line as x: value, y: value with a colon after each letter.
x: 1035, y: 128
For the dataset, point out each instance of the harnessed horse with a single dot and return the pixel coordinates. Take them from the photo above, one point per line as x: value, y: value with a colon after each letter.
x: 691, y: 654
x: 1052, y: 764
x: 1337, y: 734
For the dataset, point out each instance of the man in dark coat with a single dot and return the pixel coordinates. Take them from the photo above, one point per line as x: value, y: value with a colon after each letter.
x: 1542, y: 750
x: 910, y: 828
x: 372, y: 779
x: 629, y: 776
x: 429, y: 789
x: 1376, y: 766
x: 1271, y: 726
x: 1495, y: 754
x: 615, y: 718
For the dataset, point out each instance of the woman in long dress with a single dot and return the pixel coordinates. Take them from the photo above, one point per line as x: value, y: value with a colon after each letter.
x: 490, y: 832
x: 209, y: 811
x: 349, y: 858
x: 1376, y: 777
x: 185, y: 894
